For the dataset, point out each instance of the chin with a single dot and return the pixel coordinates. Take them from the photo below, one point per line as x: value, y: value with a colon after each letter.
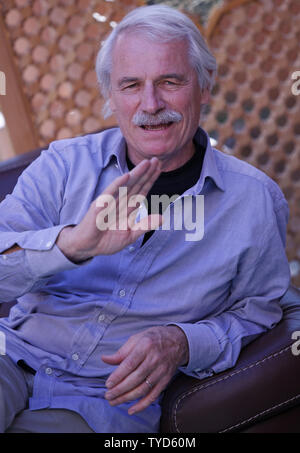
x: 156, y: 152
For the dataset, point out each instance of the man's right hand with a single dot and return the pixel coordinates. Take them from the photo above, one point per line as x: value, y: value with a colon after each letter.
x: 87, y: 240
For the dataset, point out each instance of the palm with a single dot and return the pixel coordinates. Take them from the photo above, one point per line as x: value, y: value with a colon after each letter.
x: 109, y: 224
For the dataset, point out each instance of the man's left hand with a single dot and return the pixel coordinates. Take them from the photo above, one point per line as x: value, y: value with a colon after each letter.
x: 146, y: 364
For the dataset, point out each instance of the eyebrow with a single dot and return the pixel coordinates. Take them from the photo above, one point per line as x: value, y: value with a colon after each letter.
x: 125, y: 80
x: 179, y: 77
x: 173, y: 75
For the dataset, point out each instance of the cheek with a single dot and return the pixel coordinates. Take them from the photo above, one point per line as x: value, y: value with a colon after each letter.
x: 183, y: 102
x: 120, y: 104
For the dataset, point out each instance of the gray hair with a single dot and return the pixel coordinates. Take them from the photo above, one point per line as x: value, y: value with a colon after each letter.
x: 158, y: 22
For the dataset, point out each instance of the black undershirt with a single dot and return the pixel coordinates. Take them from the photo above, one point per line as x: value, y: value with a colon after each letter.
x: 175, y: 182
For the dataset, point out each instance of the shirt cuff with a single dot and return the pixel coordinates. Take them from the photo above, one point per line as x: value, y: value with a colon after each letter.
x: 204, y: 348
x: 33, y: 239
x: 48, y: 262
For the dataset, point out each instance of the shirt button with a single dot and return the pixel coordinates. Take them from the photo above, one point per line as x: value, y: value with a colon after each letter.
x: 4, y: 257
x: 49, y: 244
x: 131, y: 248
x: 101, y: 318
x: 122, y: 292
x: 75, y: 356
x: 48, y: 371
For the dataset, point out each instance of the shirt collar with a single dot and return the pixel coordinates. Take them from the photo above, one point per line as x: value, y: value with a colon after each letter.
x: 209, y: 168
x: 114, y: 149
x: 117, y: 151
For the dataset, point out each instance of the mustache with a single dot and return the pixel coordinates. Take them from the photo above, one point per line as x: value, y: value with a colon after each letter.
x: 163, y: 117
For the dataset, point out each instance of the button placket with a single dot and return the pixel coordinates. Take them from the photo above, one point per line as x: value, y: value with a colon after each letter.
x: 101, y: 317
x: 122, y: 293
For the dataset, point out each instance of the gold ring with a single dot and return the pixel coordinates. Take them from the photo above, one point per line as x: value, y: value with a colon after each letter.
x: 149, y: 383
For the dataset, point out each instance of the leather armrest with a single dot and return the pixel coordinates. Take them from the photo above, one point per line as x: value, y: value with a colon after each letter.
x: 264, y: 382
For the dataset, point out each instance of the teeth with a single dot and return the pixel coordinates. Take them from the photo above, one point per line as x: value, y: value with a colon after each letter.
x: 156, y: 127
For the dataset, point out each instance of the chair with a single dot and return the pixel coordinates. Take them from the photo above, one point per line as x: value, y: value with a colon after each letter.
x: 261, y: 393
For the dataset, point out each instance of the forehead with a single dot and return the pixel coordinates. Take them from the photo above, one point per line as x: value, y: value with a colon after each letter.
x: 136, y: 54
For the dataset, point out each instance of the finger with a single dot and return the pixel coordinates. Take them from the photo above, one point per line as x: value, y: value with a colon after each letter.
x: 114, y: 186
x: 142, y: 170
x: 114, y: 359
x: 139, y: 174
x: 156, y: 170
x: 131, y: 178
x: 143, y: 183
x: 145, y: 394
x: 143, y: 403
x: 126, y: 365
x: 135, y: 380
x: 159, y: 382
x: 137, y: 182
x: 138, y: 392
x: 151, y: 222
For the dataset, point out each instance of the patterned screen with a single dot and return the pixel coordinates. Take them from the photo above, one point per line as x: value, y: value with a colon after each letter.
x: 254, y: 113
x: 55, y: 44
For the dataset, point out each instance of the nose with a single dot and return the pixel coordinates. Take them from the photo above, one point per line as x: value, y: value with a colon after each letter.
x: 151, y: 101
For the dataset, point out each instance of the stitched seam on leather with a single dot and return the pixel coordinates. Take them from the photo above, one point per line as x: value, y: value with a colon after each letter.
x: 210, y: 384
x: 260, y: 414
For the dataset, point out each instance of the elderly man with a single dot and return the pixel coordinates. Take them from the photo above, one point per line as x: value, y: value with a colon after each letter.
x: 111, y: 302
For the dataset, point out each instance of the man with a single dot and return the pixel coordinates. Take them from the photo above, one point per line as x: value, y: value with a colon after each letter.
x: 107, y: 314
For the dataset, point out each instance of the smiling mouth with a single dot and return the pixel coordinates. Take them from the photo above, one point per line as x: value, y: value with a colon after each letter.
x: 156, y: 127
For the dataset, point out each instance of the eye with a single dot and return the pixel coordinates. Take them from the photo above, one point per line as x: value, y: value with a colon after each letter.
x: 170, y: 84
x: 130, y: 86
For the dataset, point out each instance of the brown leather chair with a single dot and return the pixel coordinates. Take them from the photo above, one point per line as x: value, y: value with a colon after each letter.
x: 261, y: 393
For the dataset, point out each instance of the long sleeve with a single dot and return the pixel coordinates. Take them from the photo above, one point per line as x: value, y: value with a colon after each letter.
x: 253, y: 305
x: 29, y: 217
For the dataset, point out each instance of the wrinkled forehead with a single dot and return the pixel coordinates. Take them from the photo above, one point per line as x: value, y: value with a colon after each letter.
x: 145, y: 35
x: 138, y: 51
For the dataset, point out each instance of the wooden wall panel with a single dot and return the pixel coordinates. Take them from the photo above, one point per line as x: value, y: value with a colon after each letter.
x: 14, y: 104
x: 254, y: 113
x: 54, y: 45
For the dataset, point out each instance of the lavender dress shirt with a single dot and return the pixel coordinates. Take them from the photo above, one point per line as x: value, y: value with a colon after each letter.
x: 223, y: 289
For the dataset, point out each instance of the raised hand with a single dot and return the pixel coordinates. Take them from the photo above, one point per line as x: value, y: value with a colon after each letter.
x: 95, y: 235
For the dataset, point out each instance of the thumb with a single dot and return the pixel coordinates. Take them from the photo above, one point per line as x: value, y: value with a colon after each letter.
x: 112, y: 359
x: 117, y: 357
